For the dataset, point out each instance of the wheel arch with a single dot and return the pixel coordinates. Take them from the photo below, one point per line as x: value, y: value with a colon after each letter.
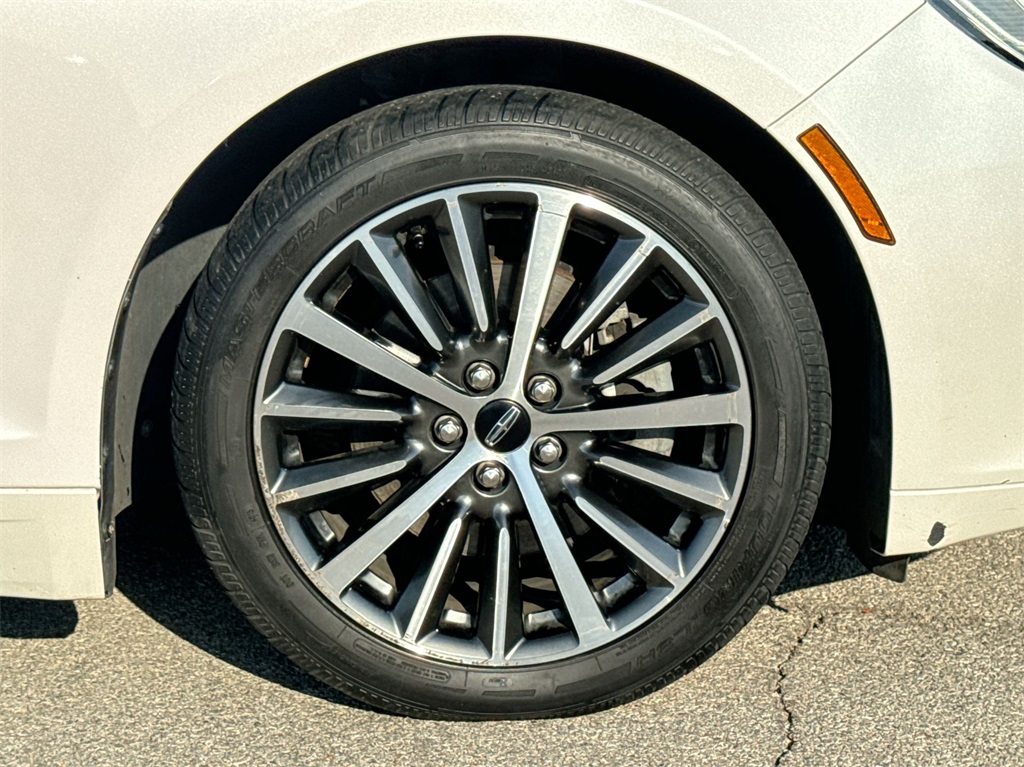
x: 136, y: 441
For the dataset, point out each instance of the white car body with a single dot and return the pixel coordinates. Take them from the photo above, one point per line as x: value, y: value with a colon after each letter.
x: 108, y: 109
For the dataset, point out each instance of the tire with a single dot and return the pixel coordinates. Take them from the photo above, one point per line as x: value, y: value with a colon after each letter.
x: 700, y: 505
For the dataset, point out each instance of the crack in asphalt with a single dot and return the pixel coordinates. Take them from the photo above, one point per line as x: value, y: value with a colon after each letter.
x: 780, y: 676
x: 777, y: 607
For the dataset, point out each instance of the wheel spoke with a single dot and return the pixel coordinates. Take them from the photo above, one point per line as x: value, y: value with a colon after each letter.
x: 307, y: 403
x: 307, y: 319
x: 392, y: 266
x: 549, y: 230
x: 587, y: 619
x: 353, y: 561
x: 699, y: 485
x: 616, y: 278
x: 699, y: 410
x: 420, y: 605
x: 307, y: 482
x: 661, y: 558
x: 466, y: 251
x: 501, y: 606
x: 678, y: 328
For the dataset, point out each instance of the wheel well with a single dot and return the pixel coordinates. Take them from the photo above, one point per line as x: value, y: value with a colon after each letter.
x: 855, y: 494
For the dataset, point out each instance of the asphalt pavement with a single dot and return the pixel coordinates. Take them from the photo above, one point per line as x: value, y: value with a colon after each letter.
x: 843, y: 668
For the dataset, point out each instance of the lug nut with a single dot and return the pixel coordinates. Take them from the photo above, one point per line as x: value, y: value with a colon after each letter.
x: 548, y: 450
x: 481, y: 376
x: 542, y: 389
x: 448, y: 429
x: 490, y: 475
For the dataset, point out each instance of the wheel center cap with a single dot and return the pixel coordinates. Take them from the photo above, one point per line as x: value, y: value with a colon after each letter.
x: 502, y: 425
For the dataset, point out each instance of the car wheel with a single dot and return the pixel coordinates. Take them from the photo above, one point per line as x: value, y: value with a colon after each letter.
x: 500, y: 402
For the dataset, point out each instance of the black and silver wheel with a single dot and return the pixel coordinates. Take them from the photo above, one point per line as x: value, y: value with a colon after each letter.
x: 500, y: 402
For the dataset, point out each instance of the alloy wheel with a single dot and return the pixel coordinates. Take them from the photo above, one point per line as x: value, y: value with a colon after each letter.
x: 502, y: 424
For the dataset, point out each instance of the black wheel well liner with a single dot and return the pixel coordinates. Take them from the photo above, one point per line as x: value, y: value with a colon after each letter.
x: 136, y: 441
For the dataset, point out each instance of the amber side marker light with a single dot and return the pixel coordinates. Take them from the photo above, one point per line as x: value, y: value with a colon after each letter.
x: 848, y: 183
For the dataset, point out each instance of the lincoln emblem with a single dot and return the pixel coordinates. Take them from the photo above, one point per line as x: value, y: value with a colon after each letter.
x: 503, y: 426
